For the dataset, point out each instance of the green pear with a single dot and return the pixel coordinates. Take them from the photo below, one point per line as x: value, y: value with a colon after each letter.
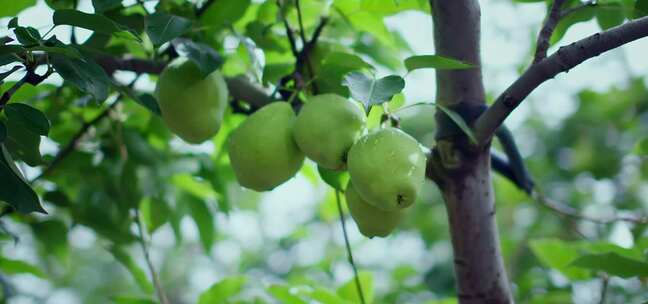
x: 262, y: 151
x: 326, y: 128
x: 387, y: 167
x: 371, y: 221
x: 192, y: 106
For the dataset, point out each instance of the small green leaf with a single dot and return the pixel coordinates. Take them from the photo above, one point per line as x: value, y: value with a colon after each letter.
x: 29, y: 117
x: 349, y: 290
x: 138, y: 274
x: 14, y: 190
x: 162, y: 27
x: 336, y: 179
x: 13, y: 7
x: 641, y: 147
x: 93, y: 22
x: 373, y: 91
x: 613, y: 264
x: 86, y: 75
x: 155, y: 213
x: 581, y: 15
x: 223, y: 290
x: 10, y: 266
x: 144, y: 99
x: 286, y: 294
x: 559, y: 255
x: 205, y: 57
x: 27, y: 35
x: 434, y: 62
x: 22, y: 143
x: 461, y: 123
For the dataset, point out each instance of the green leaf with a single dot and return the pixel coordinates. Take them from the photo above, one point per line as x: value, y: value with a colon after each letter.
x: 22, y: 143
x: 609, y: 16
x: 205, y: 57
x: 559, y: 255
x: 67, y: 51
x: 349, y: 289
x: 155, y: 213
x: 60, y: 4
x: 86, y: 75
x: 223, y: 13
x: 138, y: 273
x: 53, y: 236
x: 162, y: 27
x: 373, y: 91
x: 3, y: 132
x: 613, y: 264
x: 461, y: 123
x: 581, y: 15
x: 93, y: 22
x: 10, y: 266
x: 13, y: 23
x: 641, y: 147
x: 203, y: 218
x: 641, y: 8
x: 15, y: 191
x: 223, y: 290
x: 27, y: 35
x: 434, y: 62
x: 286, y: 294
x: 132, y: 300
x: 13, y: 7
x: 146, y: 100
x: 29, y: 117
x: 101, y: 6
x: 336, y: 179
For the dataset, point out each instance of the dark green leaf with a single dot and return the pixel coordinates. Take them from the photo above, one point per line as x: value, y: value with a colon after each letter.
x: 15, y: 191
x: 336, y: 179
x: 60, y: 4
x: 13, y: 23
x: 613, y: 264
x: 27, y: 35
x: 93, y: 22
x: 461, y: 123
x: 10, y: 266
x: 28, y: 117
x: 223, y: 290
x: 52, y: 235
x: 434, y: 62
x: 162, y: 27
x: 101, y: 6
x: 3, y: 132
x: 13, y: 7
x: 22, y: 143
x: 86, y: 75
x: 641, y: 8
x: 641, y: 147
x: 206, y: 58
x: 373, y: 91
x: 138, y: 273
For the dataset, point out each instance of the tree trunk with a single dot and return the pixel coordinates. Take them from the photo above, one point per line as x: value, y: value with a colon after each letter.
x: 464, y: 176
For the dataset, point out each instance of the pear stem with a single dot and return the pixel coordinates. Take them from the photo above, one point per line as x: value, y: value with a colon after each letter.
x: 348, y: 248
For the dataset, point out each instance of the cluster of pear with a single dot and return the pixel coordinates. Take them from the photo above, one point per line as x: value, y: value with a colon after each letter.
x: 386, y: 166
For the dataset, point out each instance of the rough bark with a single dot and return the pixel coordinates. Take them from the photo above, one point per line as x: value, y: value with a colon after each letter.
x: 466, y: 184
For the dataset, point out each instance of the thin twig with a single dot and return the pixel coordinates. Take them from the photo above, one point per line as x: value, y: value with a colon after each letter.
x: 574, y: 9
x: 568, y: 211
x: 550, y: 22
x: 289, y: 31
x: 605, y: 280
x: 142, y: 240
x: 6, y: 96
x: 348, y: 248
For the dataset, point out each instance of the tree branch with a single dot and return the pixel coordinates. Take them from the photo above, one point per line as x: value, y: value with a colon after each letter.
x: 570, y: 212
x: 563, y: 60
x: 542, y: 44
